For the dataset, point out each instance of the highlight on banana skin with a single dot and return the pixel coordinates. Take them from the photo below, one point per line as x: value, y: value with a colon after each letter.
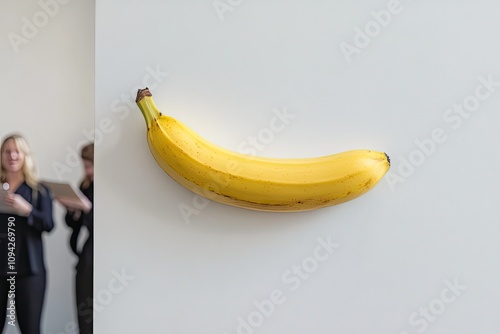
x: 257, y: 183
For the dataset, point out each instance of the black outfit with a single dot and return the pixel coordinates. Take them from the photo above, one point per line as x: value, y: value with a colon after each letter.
x: 28, y: 268
x: 84, y: 285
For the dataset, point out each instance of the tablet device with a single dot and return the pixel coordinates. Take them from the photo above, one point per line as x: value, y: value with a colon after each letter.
x: 68, y: 195
x: 4, y: 208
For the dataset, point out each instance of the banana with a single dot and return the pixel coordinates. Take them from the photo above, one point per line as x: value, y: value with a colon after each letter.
x: 258, y: 183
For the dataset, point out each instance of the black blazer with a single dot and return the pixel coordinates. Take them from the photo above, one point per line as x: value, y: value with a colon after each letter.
x: 27, y: 232
x: 86, y: 255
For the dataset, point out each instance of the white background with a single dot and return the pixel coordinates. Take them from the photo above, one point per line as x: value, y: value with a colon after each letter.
x: 400, y: 245
x: 47, y: 94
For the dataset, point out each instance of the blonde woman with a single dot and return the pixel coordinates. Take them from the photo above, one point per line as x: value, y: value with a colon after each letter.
x: 78, y: 220
x: 26, y: 214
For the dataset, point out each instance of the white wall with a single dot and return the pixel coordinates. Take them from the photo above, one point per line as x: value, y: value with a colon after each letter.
x: 402, y: 246
x: 47, y: 94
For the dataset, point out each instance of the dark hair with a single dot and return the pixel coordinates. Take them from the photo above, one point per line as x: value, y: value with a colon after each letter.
x: 87, y: 153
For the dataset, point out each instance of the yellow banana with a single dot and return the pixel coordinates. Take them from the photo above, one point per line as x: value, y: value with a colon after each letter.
x: 257, y: 183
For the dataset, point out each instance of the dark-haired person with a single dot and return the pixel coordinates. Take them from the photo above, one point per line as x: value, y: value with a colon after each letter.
x: 78, y: 219
x: 29, y: 206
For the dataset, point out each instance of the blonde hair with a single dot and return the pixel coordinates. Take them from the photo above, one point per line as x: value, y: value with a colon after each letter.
x: 29, y: 170
x: 87, y: 153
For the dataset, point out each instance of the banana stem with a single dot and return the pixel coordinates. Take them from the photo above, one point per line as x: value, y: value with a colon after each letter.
x: 147, y: 106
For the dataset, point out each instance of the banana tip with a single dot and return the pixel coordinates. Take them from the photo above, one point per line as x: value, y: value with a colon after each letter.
x: 141, y: 93
x: 388, y: 159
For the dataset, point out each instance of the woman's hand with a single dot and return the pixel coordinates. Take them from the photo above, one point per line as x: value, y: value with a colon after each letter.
x: 19, y: 204
x: 76, y: 214
x: 77, y: 206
